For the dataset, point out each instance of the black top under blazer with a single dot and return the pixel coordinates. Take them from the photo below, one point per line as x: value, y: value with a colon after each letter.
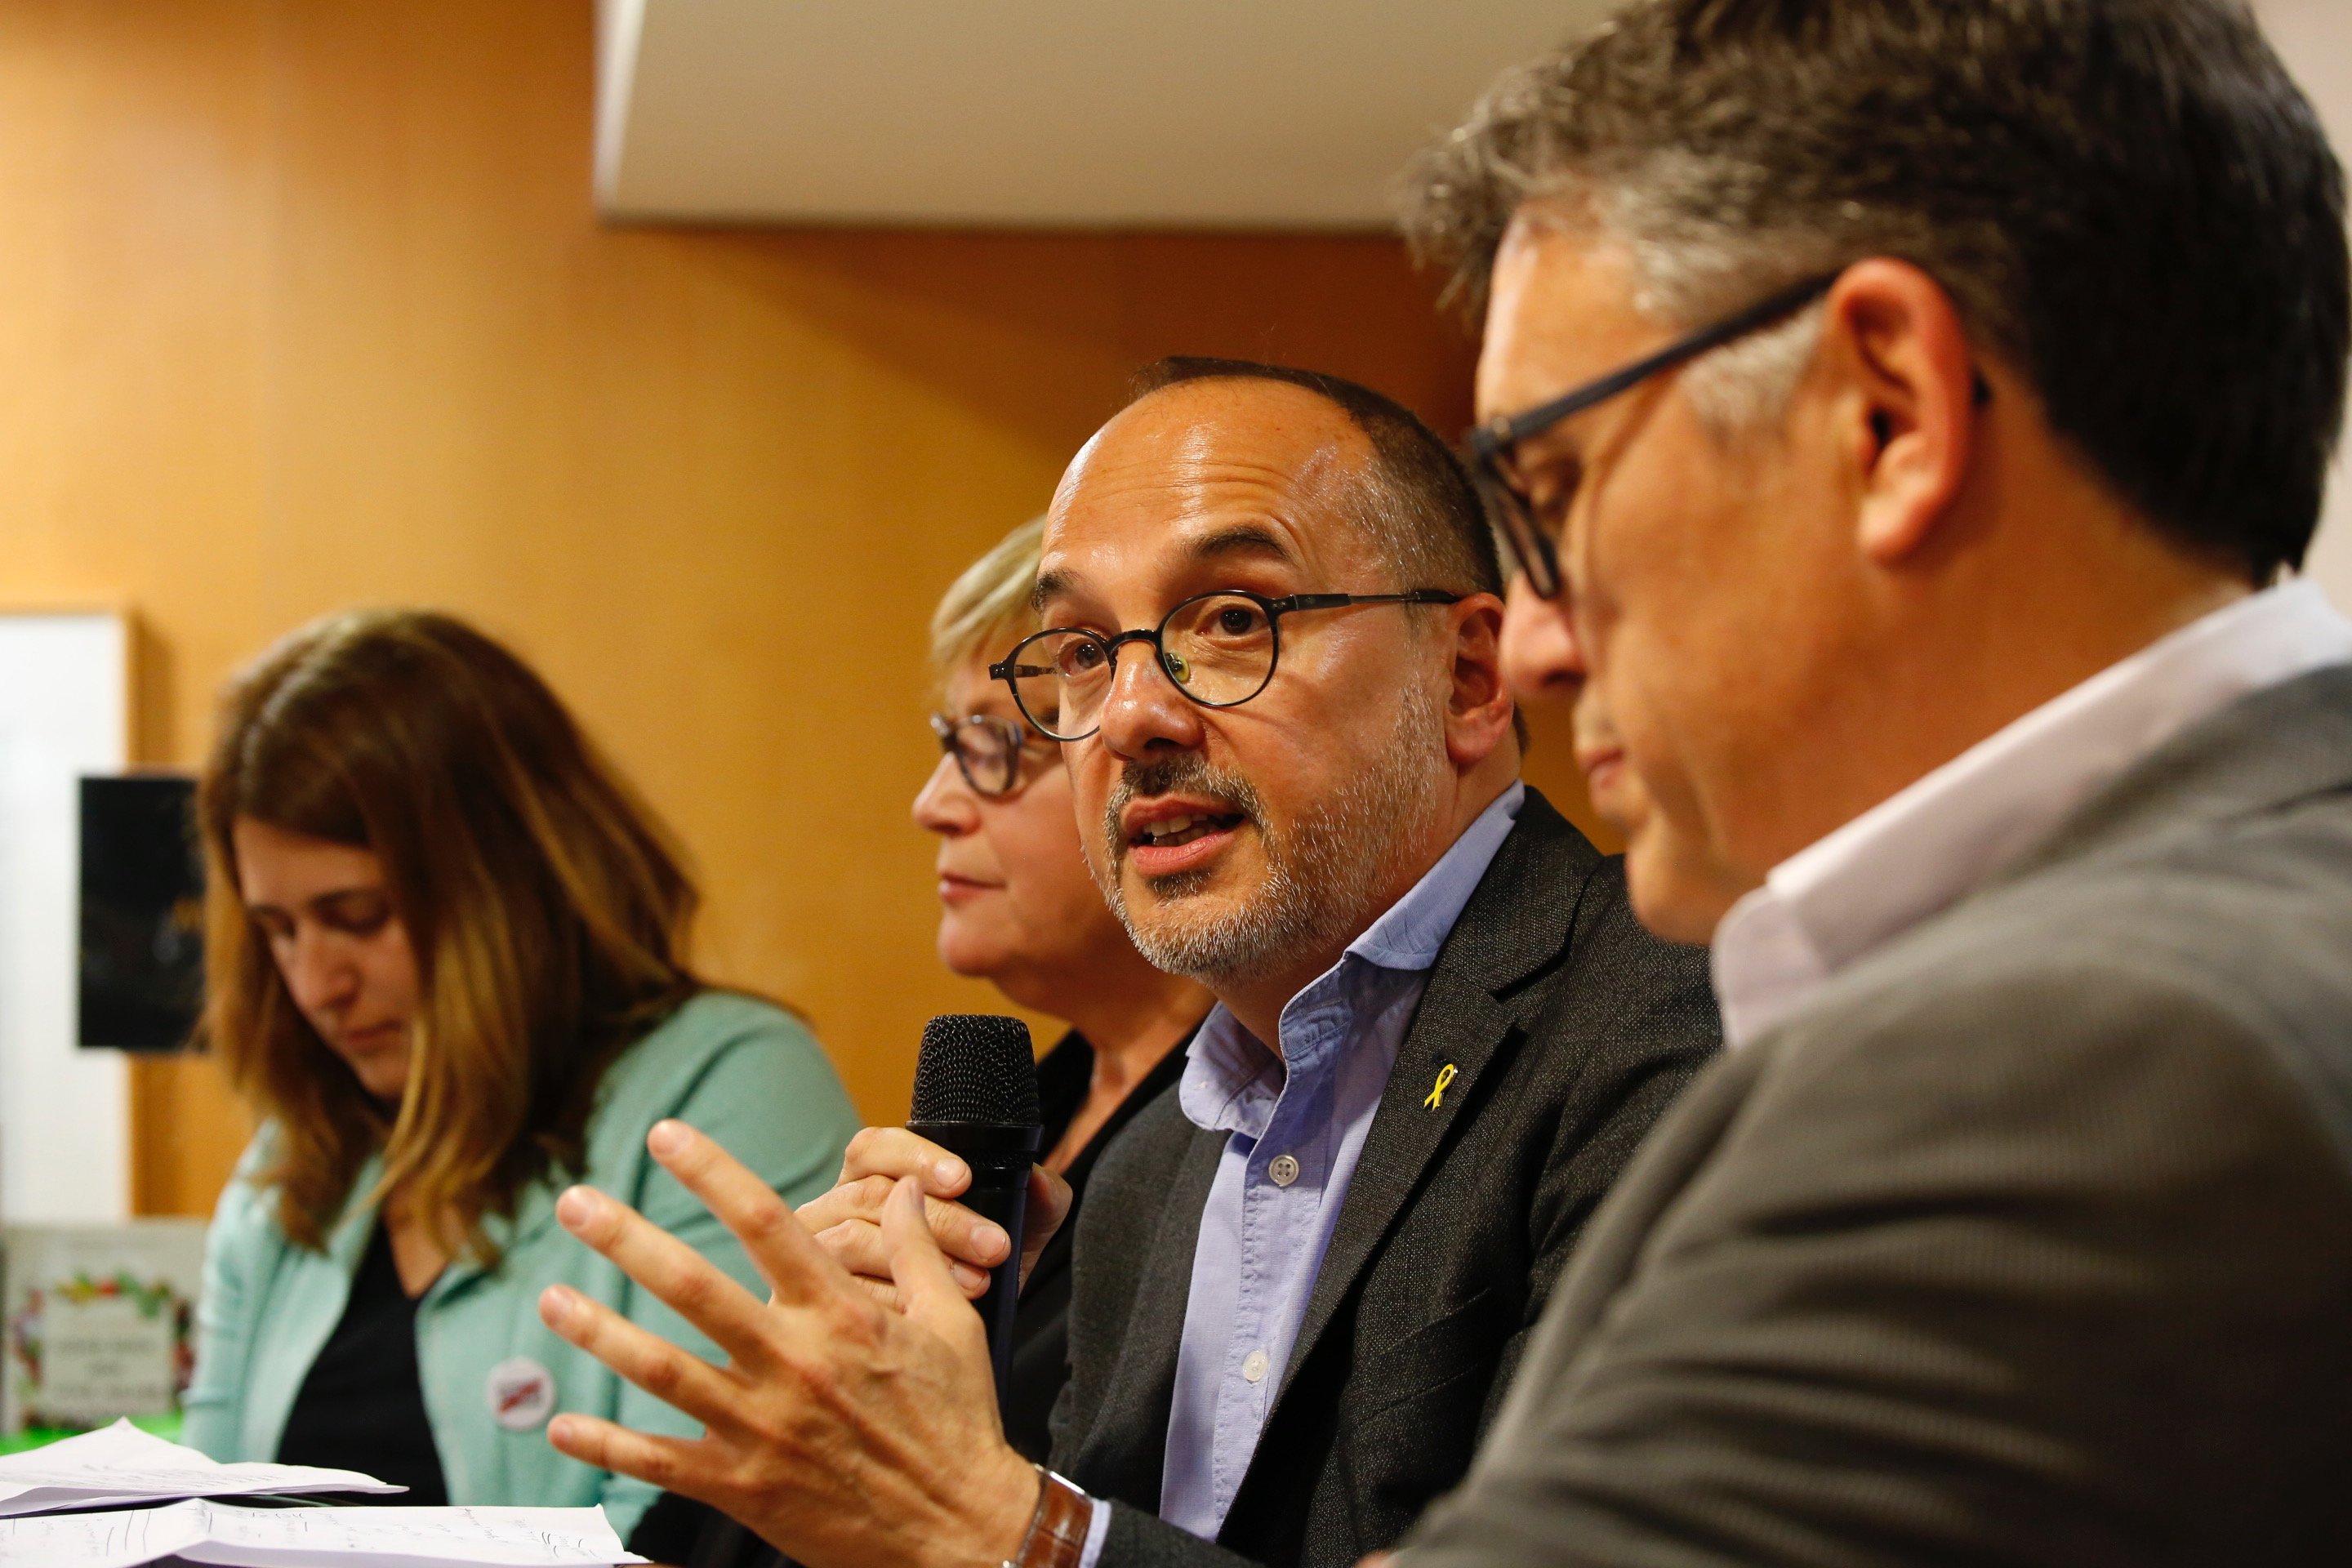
x: 1570, y: 1030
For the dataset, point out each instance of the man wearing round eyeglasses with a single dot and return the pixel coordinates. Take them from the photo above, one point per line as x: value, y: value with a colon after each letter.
x: 1176, y: 827
x: 1906, y: 418
x: 1271, y: 661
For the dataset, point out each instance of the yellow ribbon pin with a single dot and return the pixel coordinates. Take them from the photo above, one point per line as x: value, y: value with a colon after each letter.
x: 1437, y: 1095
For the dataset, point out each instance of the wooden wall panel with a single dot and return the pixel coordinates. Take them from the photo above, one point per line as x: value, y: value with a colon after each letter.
x: 308, y: 309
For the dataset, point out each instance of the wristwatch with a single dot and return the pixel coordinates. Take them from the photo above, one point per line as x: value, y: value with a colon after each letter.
x: 1057, y: 1530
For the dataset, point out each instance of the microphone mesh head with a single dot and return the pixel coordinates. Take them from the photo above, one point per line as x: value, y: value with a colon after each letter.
x: 976, y: 1067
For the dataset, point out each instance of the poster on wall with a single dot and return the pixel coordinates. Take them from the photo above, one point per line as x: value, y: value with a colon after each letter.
x: 101, y: 1321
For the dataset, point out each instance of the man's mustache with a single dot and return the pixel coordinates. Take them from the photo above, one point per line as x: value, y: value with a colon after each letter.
x: 1189, y: 774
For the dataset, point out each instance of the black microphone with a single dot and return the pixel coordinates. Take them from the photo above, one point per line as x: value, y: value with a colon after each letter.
x: 976, y: 1097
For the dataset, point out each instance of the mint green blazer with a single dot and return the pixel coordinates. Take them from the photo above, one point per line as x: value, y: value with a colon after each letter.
x: 743, y: 1071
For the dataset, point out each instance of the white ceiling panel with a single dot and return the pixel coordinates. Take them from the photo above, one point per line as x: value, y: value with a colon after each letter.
x: 1209, y: 114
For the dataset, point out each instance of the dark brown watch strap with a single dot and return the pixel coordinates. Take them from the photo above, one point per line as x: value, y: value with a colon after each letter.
x: 1057, y: 1530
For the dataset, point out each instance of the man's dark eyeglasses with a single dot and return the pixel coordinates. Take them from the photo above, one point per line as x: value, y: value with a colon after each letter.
x: 1493, y: 446
x: 988, y: 751
x: 1219, y: 649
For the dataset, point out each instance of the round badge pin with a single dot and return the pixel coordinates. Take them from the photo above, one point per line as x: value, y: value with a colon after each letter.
x: 522, y: 1393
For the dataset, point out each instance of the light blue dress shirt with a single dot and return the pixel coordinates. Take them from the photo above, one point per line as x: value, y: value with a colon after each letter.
x: 1295, y: 1125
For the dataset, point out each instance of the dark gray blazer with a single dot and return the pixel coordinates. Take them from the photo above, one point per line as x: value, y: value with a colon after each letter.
x: 1569, y: 1030
x: 2028, y: 1242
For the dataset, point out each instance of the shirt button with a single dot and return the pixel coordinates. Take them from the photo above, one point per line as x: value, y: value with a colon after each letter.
x: 1284, y: 1170
x: 1253, y: 1366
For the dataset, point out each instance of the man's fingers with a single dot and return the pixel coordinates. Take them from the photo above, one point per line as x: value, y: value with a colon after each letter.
x: 670, y: 1463
x: 961, y: 1233
x: 701, y: 1292
x: 784, y: 1253
x: 959, y: 1229
x: 840, y: 1204
x: 660, y: 1368
x: 1047, y: 1206
x: 1048, y: 1200
x: 884, y: 1292
x: 860, y: 1246
x: 928, y: 1292
x: 892, y: 1153
x: 966, y: 1235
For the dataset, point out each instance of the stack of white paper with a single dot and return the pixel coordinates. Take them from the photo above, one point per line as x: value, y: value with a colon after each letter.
x: 99, y: 1471
x: 223, y: 1533
x: 120, y: 1463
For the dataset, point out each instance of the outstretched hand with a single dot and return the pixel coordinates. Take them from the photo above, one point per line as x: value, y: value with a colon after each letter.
x: 846, y: 1433
x: 847, y: 1220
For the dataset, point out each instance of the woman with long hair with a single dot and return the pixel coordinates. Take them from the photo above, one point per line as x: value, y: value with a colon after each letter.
x: 447, y: 967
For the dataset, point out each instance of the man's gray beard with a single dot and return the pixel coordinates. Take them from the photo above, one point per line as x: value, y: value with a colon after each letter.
x: 1322, y: 875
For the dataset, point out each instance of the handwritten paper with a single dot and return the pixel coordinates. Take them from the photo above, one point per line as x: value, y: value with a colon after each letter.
x: 120, y: 1463
x: 227, y: 1536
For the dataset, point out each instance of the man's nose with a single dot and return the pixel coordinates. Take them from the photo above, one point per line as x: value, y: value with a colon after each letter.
x: 1144, y: 712
x: 1542, y: 658
x: 945, y: 805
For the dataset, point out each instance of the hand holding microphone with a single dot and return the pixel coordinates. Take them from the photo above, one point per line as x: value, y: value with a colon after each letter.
x: 844, y: 1432
x: 847, y: 1220
x: 976, y: 1097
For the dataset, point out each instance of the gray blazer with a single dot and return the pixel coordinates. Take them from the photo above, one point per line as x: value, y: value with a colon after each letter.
x: 1570, y: 1030
x: 2028, y: 1242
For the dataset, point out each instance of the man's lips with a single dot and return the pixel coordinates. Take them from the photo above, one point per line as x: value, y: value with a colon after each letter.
x: 1167, y: 859
x: 1169, y: 834
x: 1142, y: 818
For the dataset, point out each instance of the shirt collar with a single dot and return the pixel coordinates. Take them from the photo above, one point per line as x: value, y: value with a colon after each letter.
x: 1411, y: 932
x: 1231, y: 1080
x: 1921, y: 849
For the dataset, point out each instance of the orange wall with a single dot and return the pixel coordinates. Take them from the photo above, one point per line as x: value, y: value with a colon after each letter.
x: 305, y: 307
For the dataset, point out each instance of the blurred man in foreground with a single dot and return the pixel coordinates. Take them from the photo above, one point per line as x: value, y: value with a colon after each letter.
x: 1901, y: 412
x: 1272, y: 662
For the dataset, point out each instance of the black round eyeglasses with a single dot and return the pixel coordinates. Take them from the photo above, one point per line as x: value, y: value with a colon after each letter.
x: 1219, y: 650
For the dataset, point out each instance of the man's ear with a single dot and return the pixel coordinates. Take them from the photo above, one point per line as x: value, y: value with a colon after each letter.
x: 1913, y: 396
x: 1478, y: 706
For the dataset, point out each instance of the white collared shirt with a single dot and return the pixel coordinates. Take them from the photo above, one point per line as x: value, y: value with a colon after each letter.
x: 1922, y: 849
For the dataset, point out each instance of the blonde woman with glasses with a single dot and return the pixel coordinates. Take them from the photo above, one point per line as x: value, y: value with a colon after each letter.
x: 1019, y: 909
x: 446, y: 969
